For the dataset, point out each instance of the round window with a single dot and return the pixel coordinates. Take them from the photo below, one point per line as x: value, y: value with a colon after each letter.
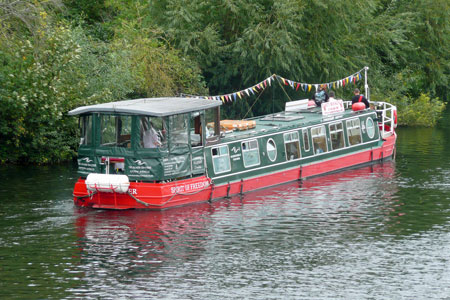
x: 271, y: 150
x: 370, y: 128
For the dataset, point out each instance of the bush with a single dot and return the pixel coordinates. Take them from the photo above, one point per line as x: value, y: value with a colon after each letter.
x: 421, y: 111
x: 42, y: 77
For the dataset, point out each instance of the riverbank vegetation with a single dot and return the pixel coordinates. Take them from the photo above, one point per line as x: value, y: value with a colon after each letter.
x: 57, y: 55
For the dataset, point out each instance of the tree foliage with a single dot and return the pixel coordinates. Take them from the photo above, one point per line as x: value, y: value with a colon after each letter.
x: 238, y: 43
x: 56, y: 55
x: 53, y: 66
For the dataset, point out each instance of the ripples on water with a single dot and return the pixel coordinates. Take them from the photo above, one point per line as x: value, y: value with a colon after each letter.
x: 379, y: 232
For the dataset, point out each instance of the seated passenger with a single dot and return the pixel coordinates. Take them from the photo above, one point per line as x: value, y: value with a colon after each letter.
x: 331, y: 97
x: 150, y: 137
x: 209, y: 131
x: 320, y: 96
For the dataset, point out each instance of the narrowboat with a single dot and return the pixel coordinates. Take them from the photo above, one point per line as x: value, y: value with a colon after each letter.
x: 157, y: 153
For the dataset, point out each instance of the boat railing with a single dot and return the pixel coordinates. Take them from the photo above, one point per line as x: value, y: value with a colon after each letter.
x: 387, y: 117
x: 386, y: 114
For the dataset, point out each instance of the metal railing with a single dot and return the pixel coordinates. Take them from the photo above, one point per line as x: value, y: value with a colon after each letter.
x: 386, y: 117
x: 385, y: 114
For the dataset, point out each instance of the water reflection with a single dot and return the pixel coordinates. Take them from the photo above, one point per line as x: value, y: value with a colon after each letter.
x: 181, y: 244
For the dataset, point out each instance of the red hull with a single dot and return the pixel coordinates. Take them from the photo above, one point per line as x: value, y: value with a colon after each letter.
x: 164, y: 195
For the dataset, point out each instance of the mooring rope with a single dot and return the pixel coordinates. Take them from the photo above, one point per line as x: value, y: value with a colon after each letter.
x: 85, y: 196
x: 171, y: 197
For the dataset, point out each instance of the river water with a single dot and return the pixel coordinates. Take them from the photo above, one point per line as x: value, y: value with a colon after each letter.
x: 380, y: 232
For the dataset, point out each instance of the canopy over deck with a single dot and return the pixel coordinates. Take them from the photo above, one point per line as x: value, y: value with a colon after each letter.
x: 157, y: 107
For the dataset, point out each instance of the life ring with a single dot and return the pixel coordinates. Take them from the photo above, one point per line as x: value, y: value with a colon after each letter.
x: 358, y: 106
x: 395, y: 118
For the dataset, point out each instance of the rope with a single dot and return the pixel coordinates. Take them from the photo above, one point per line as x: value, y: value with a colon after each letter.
x: 137, y: 200
x: 85, y: 196
x: 254, y: 103
x: 171, y: 197
x: 278, y: 80
x: 304, y: 83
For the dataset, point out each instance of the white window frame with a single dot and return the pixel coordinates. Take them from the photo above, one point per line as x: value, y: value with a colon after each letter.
x: 291, y: 141
x: 336, y: 131
x: 248, y: 149
x: 325, y: 135
x: 307, y: 136
x: 367, y: 128
x: 352, y: 127
x: 275, y: 146
x: 220, y: 155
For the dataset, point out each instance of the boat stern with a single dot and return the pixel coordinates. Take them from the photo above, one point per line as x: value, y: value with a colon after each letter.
x: 139, y: 195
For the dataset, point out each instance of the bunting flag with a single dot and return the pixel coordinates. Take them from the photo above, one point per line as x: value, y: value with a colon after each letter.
x: 302, y: 86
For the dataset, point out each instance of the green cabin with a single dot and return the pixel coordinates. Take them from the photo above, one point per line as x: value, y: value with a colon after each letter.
x: 153, y: 139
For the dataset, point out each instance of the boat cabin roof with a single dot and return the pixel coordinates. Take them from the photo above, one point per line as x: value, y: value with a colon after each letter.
x: 273, y: 123
x: 157, y: 107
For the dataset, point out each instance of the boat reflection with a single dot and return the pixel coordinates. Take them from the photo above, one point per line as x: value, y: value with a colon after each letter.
x: 141, y: 240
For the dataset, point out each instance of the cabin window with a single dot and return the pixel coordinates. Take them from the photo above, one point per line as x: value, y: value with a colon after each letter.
x: 221, y: 159
x: 292, y: 145
x: 319, y: 139
x: 210, y: 119
x: 115, y: 131
x: 196, y: 128
x: 271, y: 150
x: 337, y: 136
x: 86, y: 130
x: 370, y: 128
x: 250, y: 153
x: 305, y: 140
x: 153, y: 132
x: 354, y: 132
x: 178, y: 130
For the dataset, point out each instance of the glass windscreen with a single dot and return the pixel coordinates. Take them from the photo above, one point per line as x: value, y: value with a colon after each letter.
x: 153, y: 132
x: 115, y: 131
x: 179, y: 130
x: 86, y: 130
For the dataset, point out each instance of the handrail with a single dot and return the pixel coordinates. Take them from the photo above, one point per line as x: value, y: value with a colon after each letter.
x: 386, y: 111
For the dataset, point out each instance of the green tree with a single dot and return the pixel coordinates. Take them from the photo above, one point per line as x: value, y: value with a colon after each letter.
x: 44, y: 75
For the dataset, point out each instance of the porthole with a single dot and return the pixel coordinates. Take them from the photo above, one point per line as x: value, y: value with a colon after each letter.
x: 370, y: 127
x: 271, y: 150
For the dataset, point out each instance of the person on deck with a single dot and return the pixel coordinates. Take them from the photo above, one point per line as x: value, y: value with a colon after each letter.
x: 320, y: 96
x: 150, y: 137
x: 331, y: 96
x: 359, y: 98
